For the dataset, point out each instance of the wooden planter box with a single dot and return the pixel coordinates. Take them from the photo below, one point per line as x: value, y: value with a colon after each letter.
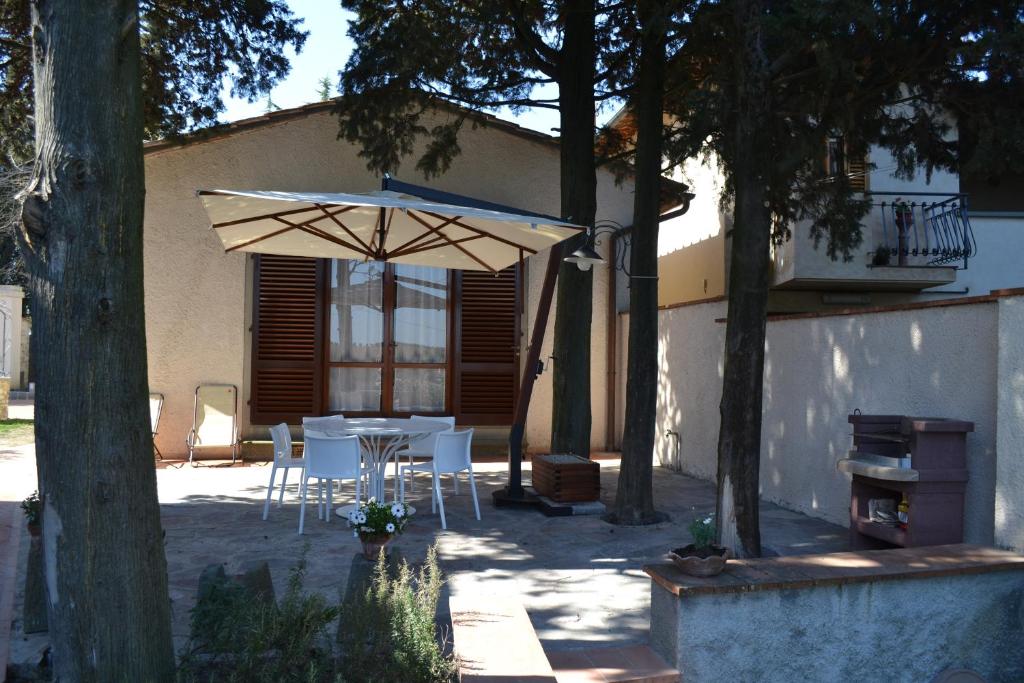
x: 567, y: 478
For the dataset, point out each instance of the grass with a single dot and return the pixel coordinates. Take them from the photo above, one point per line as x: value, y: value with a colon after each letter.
x: 16, y: 432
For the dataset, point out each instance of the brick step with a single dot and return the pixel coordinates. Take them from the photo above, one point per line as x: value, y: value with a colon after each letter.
x: 626, y: 664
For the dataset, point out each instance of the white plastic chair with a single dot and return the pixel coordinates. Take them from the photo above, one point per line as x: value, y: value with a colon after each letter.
x: 283, y: 460
x: 326, y: 422
x: 329, y: 458
x: 451, y: 456
x: 156, y: 407
x: 424, y: 448
x: 214, y: 419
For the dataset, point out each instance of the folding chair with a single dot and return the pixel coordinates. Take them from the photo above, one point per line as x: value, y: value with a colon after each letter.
x: 214, y: 420
x: 156, y: 407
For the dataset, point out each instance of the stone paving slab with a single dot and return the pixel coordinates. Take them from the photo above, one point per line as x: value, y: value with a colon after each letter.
x: 580, y: 579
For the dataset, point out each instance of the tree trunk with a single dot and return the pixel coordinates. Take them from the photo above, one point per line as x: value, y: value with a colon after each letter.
x: 81, y: 233
x: 570, y: 413
x: 739, y: 437
x: 634, y: 499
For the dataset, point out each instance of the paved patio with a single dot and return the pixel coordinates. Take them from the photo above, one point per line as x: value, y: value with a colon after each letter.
x: 579, y: 578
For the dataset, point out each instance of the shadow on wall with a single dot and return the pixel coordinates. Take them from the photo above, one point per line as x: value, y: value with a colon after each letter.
x: 937, y: 362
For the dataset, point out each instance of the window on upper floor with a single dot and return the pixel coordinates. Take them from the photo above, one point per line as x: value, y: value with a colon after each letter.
x: 839, y: 162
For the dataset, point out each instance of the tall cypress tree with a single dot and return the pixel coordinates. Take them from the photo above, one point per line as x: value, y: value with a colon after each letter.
x: 761, y: 85
x: 483, y: 55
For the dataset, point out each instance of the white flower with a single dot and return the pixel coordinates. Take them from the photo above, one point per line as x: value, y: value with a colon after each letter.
x: 398, y: 510
x: 360, y: 518
x: 355, y: 534
x: 390, y: 528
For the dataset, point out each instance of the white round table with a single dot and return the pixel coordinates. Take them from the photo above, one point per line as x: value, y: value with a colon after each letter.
x: 381, y: 438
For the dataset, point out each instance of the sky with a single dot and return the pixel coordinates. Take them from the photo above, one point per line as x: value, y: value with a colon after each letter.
x: 326, y: 50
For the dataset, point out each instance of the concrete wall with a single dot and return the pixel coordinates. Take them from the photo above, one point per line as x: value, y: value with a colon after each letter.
x: 889, y: 630
x: 198, y: 299
x: 1009, y: 493
x: 964, y: 361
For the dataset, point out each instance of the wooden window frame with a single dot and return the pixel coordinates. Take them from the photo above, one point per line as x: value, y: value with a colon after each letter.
x: 387, y: 365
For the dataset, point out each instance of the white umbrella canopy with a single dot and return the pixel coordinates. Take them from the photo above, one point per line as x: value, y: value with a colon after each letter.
x: 379, y: 226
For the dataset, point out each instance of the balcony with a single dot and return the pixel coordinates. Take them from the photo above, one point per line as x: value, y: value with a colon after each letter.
x: 911, y: 242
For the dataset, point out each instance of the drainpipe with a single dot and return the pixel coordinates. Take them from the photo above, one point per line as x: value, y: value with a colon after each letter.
x: 611, y: 357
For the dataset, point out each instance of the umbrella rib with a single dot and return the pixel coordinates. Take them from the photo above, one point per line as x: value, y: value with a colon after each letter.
x: 482, y: 232
x: 252, y: 219
x: 344, y: 227
x: 434, y: 244
x: 422, y: 235
x: 259, y: 239
x: 317, y: 232
x: 448, y: 239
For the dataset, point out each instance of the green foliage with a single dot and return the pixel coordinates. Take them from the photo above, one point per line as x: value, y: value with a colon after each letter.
x: 188, y: 50
x: 324, y: 89
x: 702, y: 530
x: 412, y: 57
x: 237, y: 638
x: 388, y: 633
x: 884, y: 73
x: 378, y: 519
x: 33, y: 508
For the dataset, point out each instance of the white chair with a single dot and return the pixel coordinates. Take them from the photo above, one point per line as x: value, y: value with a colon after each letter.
x: 451, y: 456
x: 329, y: 458
x: 326, y: 422
x: 283, y: 460
x: 424, y: 448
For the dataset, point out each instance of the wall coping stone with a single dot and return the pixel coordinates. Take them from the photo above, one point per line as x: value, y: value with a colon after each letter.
x: 836, y: 569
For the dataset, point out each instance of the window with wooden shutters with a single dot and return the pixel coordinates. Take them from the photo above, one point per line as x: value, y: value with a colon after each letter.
x: 287, y: 339
x: 840, y: 161
x: 487, y: 341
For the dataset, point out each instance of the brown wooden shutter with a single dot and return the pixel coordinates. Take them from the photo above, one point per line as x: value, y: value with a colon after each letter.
x: 857, y: 172
x: 287, y: 368
x: 486, y: 351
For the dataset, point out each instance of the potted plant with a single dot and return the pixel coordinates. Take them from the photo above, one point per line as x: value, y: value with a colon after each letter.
x: 33, y: 509
x: 376, y: 524
x: 903, y: 213
x: 880, y: 256
x: 702, y: 557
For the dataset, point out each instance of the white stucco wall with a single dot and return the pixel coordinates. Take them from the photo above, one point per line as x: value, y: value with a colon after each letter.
x: 1009, y: 494
x: 198, y: 298
x: 923, y: 361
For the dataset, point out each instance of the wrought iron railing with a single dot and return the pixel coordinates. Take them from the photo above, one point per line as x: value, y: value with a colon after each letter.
x: 920, y: 229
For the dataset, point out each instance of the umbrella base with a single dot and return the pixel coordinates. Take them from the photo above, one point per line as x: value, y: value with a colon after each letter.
x: 522, y: 499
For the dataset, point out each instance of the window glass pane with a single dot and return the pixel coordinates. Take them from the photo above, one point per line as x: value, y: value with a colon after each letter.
x: 421, y: 314
x: 357, y: 321
x: 354, y: 389
x: 419, y: 390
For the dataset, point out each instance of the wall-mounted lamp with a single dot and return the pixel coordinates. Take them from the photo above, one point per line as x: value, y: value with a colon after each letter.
x: 587, y: 256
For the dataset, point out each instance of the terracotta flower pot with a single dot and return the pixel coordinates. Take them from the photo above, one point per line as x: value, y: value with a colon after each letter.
x: 372, y: 545
x: 704, y: 563
x: 35, y: 530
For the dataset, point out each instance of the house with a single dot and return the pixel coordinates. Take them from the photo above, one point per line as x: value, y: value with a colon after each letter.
x: 311, y: 336
x: 947, y: 213
x: 936, y: 335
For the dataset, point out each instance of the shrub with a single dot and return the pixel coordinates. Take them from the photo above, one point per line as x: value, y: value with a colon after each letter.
x: 235, y: 637
x: 388, y: 633
x: 702, y: 529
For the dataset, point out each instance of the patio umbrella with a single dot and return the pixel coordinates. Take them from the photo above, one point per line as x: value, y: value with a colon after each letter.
x: 379, y: 226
